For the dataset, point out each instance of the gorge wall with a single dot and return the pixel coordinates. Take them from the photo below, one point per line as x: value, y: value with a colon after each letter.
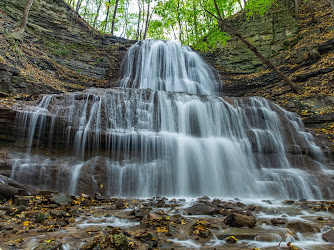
x: 59, y: 52
x: 268, y: 33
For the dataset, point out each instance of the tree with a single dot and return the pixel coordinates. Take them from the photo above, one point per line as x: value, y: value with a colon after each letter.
x: 147, y: 19
x: 107, y: 16
x: 97, y: 13
x: 297, y: 9
x: 314, y: 20
x: 23, y: 24
x: 114, y: 18
x: 223, y: 25
x: 78, y: 5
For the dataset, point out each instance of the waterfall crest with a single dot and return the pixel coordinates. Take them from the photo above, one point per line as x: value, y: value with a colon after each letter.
x: 167, y: 66
x: 147, y: 139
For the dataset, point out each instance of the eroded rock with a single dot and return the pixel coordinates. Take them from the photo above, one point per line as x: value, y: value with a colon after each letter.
x: 240, y: 220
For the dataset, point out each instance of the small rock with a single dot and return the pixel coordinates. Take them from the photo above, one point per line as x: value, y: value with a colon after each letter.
x: 278, y: 221
x: 232, y: 239
x: 149, y: 238
x: 122, y: 204
x: 202, y: 199
x: 152, y: 216
x: 288, y: 202
x: 240, y: 220
x: 160, y: 203
x: 171, y: 231
x: 240, y: 204
x: 22, y: 200
x: 140, y: 213
x: 19, y: 210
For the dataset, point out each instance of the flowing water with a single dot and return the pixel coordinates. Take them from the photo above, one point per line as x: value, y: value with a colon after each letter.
x: 166, y: 131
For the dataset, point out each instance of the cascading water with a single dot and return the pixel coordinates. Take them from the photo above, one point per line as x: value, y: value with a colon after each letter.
x: 167, y: 66
x: 140, y: 140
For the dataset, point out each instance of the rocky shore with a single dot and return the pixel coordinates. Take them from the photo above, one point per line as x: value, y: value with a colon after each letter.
x: 51, y: 220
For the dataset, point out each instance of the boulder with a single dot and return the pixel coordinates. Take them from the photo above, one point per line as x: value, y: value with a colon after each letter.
x: 62, y: 199
x: 121, y: 241
x: 240, y: 220
x: 301, y: 227
x: 9, y: 188
x: 268, y: 237
x: 199, y: 209
x: 49, y: 244
x: 278, y: 221
x: 329, y: 236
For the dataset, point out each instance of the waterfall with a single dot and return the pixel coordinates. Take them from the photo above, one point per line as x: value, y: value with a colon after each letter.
x: 167, y: 66
x: 166, y: 132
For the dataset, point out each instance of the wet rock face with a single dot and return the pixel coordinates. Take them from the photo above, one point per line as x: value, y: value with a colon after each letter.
x: 92, y: 177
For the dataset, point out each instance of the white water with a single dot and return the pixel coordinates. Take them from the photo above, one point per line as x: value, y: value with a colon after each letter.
x: 147, y: 143
x: 168, y: 66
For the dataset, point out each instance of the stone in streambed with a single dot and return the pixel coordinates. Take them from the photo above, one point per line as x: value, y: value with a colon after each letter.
x: 120, y: 240
x: 232, y: 239
x: 62, y: 199
x: 240, y: 220
x: 268, y: 237
x: 240, y: 233
x: 49, y: 244
x: 149, y: 238
x: 278, y: 221
x: 302, y: 227
x: 199, y: 209
x: 329, y: 236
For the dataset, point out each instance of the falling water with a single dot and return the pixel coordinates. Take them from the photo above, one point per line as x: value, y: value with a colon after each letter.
x: 148, y: 139
x: 167, y: 66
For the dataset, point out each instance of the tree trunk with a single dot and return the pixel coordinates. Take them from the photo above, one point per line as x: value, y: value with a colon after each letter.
x: 179, y: 20
x: 78, y: 6
x: 138, y: 25
x: 245, y: 3
x: 195, y: 18
x: 114, y: 18
x: 222, y: 24
x: 311, y: 11
x: 25, y: 17
x: 125, y: 27
x: 297, y: 9
x: 332, y: 4
x: 147, y: 19
x: 175, y: 36
x: 142, y: 18
x: 239, y: 2
x: 106, y: 20
x: 97, y: 13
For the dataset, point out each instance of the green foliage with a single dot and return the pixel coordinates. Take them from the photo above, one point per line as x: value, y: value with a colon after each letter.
x: 192, y: 22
